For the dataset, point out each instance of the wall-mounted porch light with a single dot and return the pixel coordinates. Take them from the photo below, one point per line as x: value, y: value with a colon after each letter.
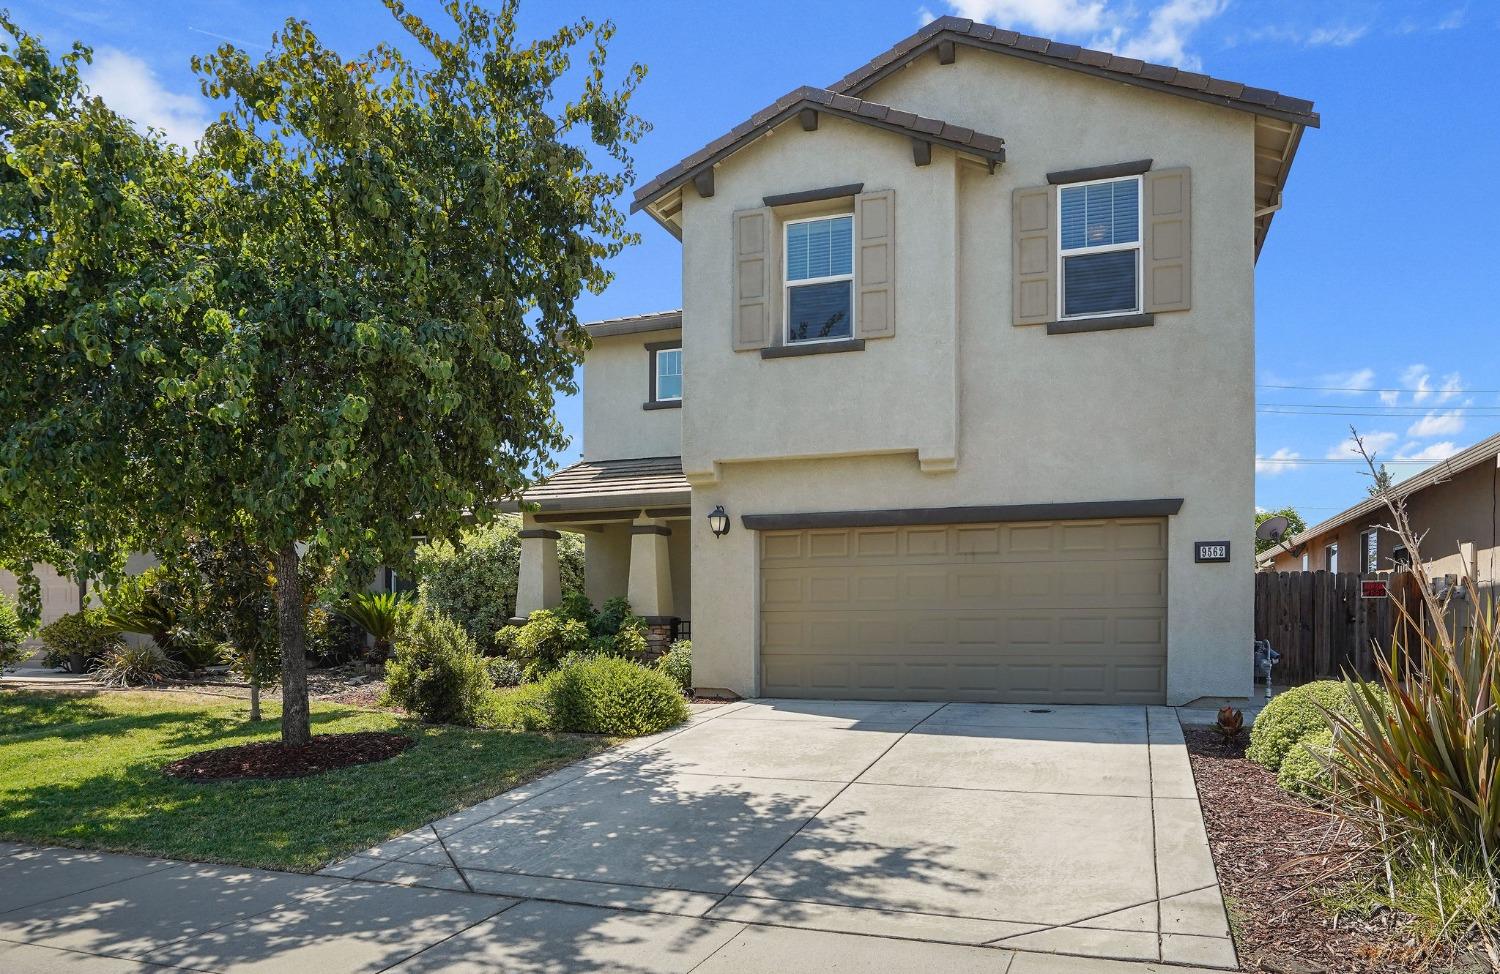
x: 718, y: 521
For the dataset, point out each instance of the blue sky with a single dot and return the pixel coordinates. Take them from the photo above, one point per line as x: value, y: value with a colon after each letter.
x: 1373, y: 286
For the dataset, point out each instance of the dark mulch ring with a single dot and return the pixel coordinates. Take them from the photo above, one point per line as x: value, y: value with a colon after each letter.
x: 270, y: 760
x: 1276, y: 855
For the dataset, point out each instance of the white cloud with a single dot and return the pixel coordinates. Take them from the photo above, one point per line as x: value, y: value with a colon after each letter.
x: 1418, y: 379
x: 1049, y: 16
x: 1453, y: 385
x: 1374, y: 443
x: 1434, y: 452
x: 129, y: 86
x: 1438, y: 424
x: 925, y: 16
x: 1340, y: 36
x: 1389, y: 396
x: 1279, y: 462
x: 1349, y: 383
x: 1159, y: 33
x: 1453, y: 21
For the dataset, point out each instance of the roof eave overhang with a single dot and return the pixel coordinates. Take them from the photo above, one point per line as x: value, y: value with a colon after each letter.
x: 664, y: 202
x: 605, y: 503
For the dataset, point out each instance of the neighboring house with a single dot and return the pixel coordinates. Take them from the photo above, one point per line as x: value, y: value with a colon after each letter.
x: 966, y: 354
x: 61, y: 594
x: 1453, y: 505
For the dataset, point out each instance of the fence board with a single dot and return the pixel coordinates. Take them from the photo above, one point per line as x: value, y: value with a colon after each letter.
x: 1323, y: 628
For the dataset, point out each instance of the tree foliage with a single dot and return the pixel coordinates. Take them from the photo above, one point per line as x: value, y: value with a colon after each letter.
x: 342, y: 322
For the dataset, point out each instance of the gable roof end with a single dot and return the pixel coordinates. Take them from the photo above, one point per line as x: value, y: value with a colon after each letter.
x: 1160, y: 77
x: 989, y: 149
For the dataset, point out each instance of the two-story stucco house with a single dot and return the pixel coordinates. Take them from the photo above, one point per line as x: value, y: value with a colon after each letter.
x: 965, y: 359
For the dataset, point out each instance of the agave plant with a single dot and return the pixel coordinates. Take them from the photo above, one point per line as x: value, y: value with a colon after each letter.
x: 379, y: 614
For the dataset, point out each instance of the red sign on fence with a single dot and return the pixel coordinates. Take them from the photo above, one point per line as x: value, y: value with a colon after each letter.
x: 1374, y: 588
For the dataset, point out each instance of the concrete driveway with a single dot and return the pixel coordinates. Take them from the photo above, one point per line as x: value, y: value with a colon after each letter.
x: 1070, y: 830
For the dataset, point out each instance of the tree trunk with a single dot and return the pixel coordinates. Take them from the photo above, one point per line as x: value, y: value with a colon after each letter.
x: 291, y: 618
x: 254, y: 692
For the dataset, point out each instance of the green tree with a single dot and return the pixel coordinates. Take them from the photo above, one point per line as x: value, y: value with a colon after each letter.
x: 366, y: 302
x: 1295, y: 526
x: 237, y: 605
x: 1381, y: 481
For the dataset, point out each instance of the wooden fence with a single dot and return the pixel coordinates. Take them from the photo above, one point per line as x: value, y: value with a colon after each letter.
x: 1321, y: 625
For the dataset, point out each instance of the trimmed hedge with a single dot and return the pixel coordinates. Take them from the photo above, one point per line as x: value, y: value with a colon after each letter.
x: 1292, y: 716
x: 1301, y: 772
x: 609, y: 695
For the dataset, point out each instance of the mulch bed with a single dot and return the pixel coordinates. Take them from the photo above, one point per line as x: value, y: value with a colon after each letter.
x: 1274, y: 852
x: 270, y: 760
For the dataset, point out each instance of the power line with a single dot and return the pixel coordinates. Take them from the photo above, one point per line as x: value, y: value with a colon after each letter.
x: 1275, y: 385
x: 1378, y: 460
x: 1359, y: 405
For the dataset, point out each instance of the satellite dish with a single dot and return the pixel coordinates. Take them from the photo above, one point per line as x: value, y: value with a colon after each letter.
x: 1272, y: 528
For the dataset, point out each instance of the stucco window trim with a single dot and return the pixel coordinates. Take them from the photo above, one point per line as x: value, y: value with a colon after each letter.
x: 652, y: 402
x: 1078, y: 326
x: 1114, y: 170
x: 814, y: 348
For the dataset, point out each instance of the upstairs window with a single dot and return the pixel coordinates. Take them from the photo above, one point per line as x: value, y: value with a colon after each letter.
x: 819, y: 279
x: 669, y: 375
x: 1100, y: 240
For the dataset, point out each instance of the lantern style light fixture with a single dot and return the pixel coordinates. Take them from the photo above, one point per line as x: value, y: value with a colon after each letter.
x: 718, y: 521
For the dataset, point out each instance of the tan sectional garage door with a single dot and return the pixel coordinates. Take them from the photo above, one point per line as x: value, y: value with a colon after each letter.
x: 1045, y: 612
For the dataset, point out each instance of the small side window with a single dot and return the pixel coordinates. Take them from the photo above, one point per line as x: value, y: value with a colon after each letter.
x: 669, y: 375
x: 1331, y: 558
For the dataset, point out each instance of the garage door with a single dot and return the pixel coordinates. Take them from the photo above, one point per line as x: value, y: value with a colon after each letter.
x: 1045, y: 612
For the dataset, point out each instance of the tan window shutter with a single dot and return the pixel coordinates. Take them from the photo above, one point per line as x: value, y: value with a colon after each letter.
x: 1033, y: 246
x: 1168, y: 241
x: 755, y: 289
x: 875, y: 268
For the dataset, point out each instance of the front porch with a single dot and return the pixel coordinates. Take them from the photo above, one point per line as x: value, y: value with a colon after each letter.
x: 634, y: 516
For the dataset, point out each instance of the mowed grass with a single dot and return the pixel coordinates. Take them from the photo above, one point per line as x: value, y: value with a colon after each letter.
x: 86, y: 770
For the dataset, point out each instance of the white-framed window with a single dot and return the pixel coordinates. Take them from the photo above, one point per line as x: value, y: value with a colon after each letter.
x: 1099, y: 241
x: 818, y: 278
x: 668, y: 367
x: 1331, y: 557
x: 1305, y: 561
x: 1369, y: 552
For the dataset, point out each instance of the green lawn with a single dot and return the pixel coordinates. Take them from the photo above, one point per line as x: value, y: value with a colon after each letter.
x: 85, y: 770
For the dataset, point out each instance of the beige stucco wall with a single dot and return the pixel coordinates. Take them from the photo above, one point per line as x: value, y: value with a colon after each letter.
x: 606, y: 556
x: 1021, y: 416
x: 615, y: 385
x: 1448, y: 514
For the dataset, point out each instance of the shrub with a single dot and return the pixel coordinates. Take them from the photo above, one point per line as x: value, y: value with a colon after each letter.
x: 87, y: 633
x: 576, y: 606
x: 677, y: 663
x: 504, y: 672
x: 608, y: 695
x: 627, y: 642
x: 378, y: 613
x: 473, y: 582
x: 542, y: 643
x: 12, y: 635
x: 161, y: 603
x: 613, y: 616
x: 1293, y: 715
x: 437, y: 674
x: 146, y: 664
x: 332, y: 638
x: 1305, y: 770
x: 525, y: 708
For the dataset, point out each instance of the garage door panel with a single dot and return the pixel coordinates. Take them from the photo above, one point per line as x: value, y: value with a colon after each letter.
x: 1066, y: 612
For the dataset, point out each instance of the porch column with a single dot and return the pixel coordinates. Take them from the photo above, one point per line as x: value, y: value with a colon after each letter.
x: 650, y: 590
x: 539, y: 583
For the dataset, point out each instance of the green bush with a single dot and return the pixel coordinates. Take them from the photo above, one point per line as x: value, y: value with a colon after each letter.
x: 332, y: 638
x: 1301, y: 772
x: 473, y: 582
x: 504, y: 672
x: 88, y: 633
x: 437, y: 674
x: 1293, y: 715
x: 608, y: 695
x: 144, y: 664
x: 525, y: 708
x: 613, y: 616
x: 677, y: 663
x: 542, y: 643
x: 12, y: 635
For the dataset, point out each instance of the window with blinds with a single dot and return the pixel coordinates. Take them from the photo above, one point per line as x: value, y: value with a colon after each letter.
x: 819, y: 279
x: 1100, y: 247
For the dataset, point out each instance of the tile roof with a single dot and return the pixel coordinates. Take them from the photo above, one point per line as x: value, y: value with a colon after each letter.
x: 1435, y: 474
x: 1161, y: 77
x: 990, y: 148
x: 635, y: 324
x: 612, y: 485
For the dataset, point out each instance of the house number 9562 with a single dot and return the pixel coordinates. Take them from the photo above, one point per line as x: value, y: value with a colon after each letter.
x: 1211, y: 551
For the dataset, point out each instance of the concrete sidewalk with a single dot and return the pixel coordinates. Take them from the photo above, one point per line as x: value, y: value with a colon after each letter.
x: 91, y: 913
